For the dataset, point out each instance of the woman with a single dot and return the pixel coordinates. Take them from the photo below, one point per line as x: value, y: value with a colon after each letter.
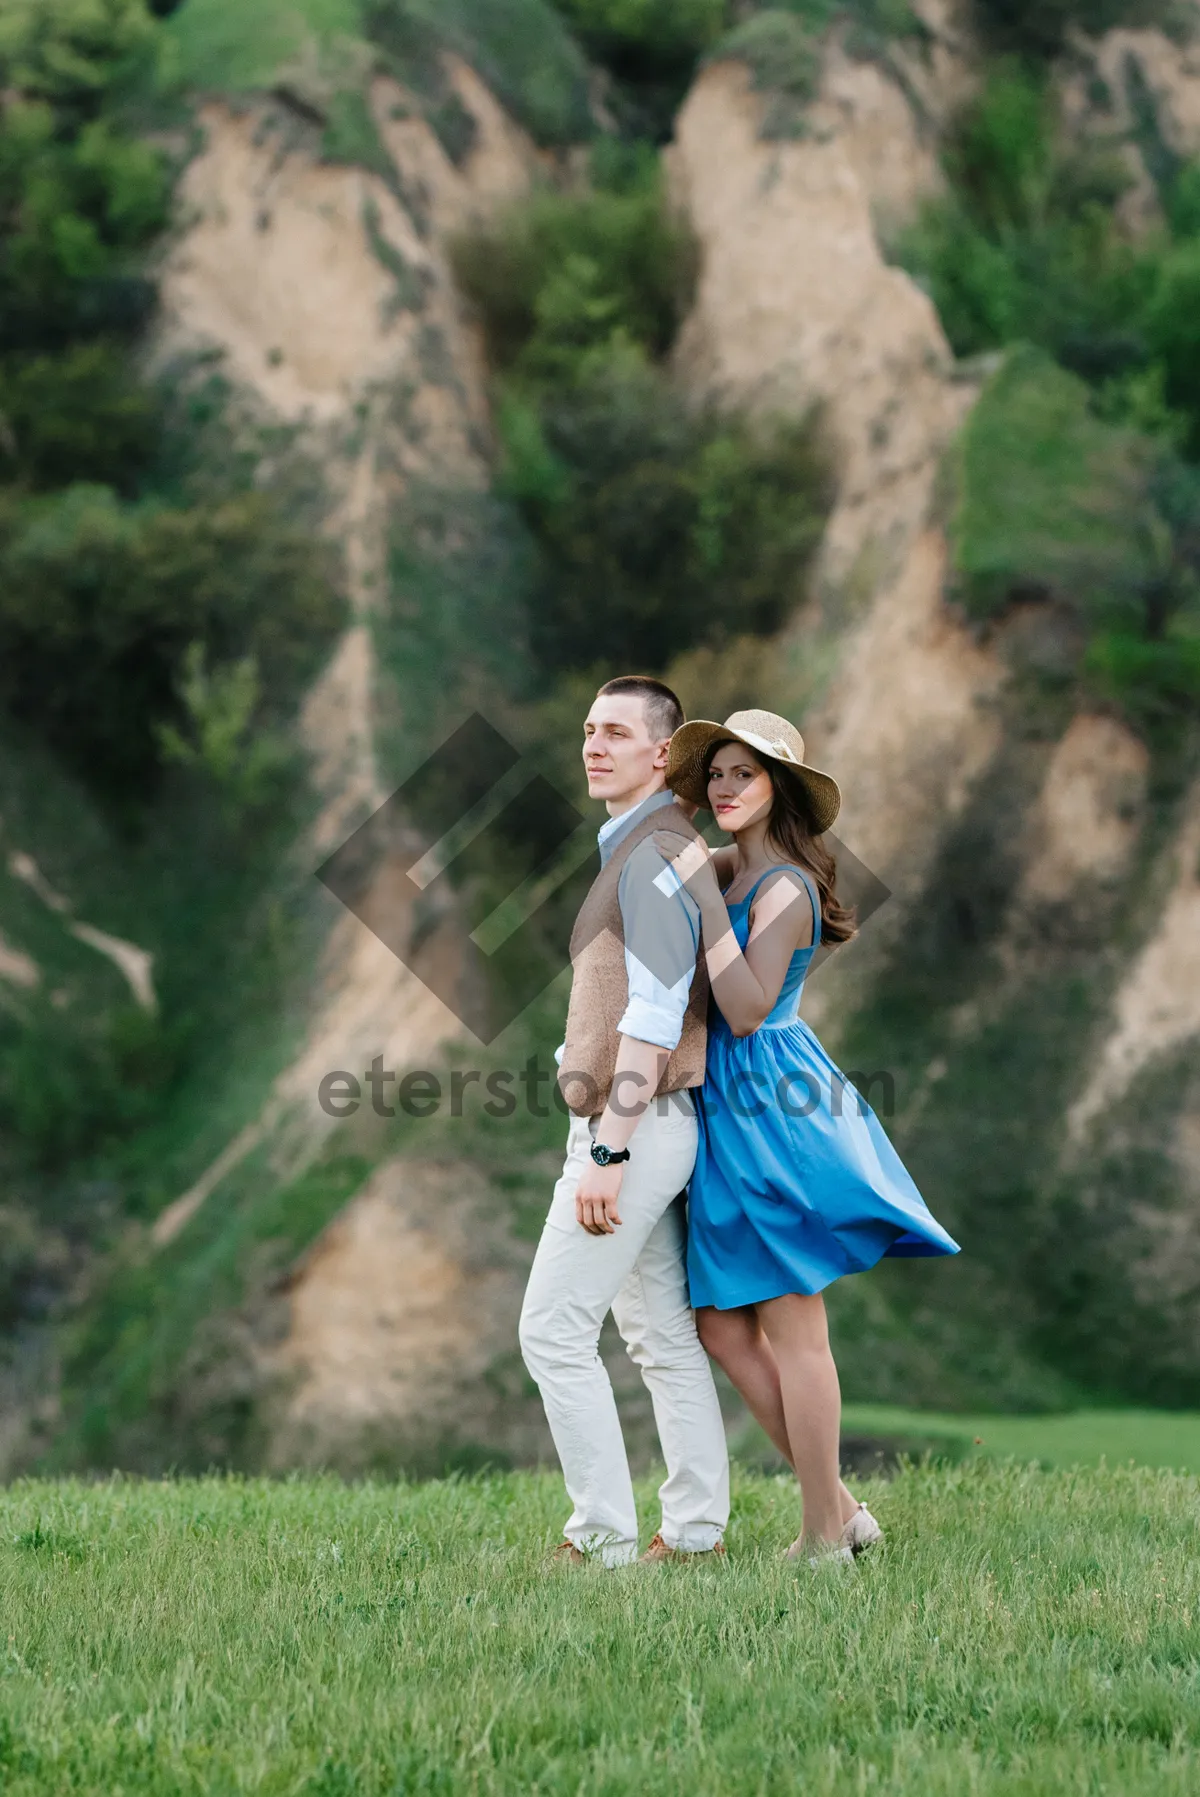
x: 796, y: 1182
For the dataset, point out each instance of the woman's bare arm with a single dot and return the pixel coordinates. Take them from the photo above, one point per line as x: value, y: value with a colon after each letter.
x: 747, y: 985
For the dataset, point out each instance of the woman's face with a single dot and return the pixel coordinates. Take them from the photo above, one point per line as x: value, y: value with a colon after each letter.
x: 739, y: 787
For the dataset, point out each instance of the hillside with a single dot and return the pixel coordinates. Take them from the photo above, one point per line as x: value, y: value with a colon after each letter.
x: 426, y: 360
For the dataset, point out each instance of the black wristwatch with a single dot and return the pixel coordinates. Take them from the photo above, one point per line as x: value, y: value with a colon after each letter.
x: 605, y: 1156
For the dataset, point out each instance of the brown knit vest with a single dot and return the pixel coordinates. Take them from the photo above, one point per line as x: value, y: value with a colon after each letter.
x: 600, y: 987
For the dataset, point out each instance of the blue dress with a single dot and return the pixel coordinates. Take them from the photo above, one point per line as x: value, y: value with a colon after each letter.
x: 796, y: 1182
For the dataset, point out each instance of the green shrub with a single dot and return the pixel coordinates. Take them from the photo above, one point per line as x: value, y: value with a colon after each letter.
x: 1050, y: 498
x: 247, y: 766
x: 780, y: 46
x: 101, y: 597
x: 784, y: 61
x: 656, y: 525
x: 77, y: 56
x: 869, y: 25
x: 75, y: 217
x: 1077, y: 495
x: 351, y: 135
x: 1039, y: 27
x: 104, y: 585
x: 158, y: 616
x: 65, y: 1091
x: 652, y: 520
x: 648, y: 50
x: 1000, y: 156
x: 231, y: 45
x: 559, y: 274
x: 1183, y: 201
x: 1055, y: 503
x: 521, y: 48
x: 79, y: 198
x: 80, y: 201
x: 76, y: 416
x: 1025, y: 244
x: 646, y: 38
x: 1157, y: 679
x: 1173, y: 334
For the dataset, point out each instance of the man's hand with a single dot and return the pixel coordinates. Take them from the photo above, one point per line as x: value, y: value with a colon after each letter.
x: 596, y: 1198
x: 689, y: 857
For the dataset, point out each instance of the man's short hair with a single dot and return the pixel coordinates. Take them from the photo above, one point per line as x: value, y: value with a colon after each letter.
x: 664, y: 713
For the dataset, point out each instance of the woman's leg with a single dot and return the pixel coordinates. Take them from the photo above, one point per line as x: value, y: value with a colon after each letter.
x: 798, y: 1333
x: 735, y: 1340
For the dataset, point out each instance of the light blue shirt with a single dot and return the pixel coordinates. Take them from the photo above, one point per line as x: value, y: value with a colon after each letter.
x: 661, y: 922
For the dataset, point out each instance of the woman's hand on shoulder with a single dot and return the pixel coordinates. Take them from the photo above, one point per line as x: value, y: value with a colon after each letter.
x: 689, y: 858
x: 724, y: 864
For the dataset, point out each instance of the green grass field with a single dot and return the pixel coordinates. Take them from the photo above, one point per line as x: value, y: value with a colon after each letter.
x: 1022, y: 1631
x: 1160, y: 1438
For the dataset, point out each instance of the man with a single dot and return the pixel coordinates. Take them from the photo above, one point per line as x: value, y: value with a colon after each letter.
x: 614, y: 1237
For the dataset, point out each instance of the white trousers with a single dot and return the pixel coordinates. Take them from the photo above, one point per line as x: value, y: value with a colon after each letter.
x: 638, y: 1273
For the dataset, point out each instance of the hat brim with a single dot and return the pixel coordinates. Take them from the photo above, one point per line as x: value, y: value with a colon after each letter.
x: 692, y: 744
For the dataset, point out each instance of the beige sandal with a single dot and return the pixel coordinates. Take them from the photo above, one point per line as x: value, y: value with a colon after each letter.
x: 861, y: 1532
x: 830, y: 1557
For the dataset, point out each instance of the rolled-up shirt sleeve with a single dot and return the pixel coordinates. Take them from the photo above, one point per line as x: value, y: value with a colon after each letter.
x: 662, y: 939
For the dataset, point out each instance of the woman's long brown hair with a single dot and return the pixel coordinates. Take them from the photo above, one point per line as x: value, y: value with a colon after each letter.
x: 789, y: 828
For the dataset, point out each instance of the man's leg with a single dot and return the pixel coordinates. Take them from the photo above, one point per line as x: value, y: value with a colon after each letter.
x: 655, y: 1317
x: 574, y: 1279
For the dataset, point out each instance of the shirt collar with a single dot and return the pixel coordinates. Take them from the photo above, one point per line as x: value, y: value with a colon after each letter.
x: 617, y: 828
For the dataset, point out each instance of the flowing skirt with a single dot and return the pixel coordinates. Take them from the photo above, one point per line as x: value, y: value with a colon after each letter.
x: 796, y: 1181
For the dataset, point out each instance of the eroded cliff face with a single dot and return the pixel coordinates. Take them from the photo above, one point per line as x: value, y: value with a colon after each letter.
x: 798, y: 307
x: 400, y: 1328
x: 912, y: 709
x: 326, y: 292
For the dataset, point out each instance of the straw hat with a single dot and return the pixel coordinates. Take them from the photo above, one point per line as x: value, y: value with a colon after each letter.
x: 769, y: 736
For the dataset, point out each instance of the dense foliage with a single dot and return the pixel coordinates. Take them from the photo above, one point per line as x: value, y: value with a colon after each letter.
x: 1055, y: 502
x: 1025, y: 245
x: 781, y: 47
x: 656, y: 523
x: 108, y: 581
x: 1041, y: 27
x: 160, y: 610
x: 521, y: 48
x: 1077, y: 477
x: 646, y: 36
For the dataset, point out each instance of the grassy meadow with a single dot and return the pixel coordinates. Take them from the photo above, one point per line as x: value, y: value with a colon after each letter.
x: 1022, y: 1631
x: 1153, y: 1438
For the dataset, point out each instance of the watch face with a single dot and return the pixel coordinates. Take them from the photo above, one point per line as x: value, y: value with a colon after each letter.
x: 600, y: 1154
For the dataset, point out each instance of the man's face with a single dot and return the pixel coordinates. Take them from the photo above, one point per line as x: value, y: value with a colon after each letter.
x: 619, y: 753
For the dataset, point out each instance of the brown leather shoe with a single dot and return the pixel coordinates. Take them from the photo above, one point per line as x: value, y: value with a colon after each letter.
x: 567, y: 1554
x: 658, y: 1552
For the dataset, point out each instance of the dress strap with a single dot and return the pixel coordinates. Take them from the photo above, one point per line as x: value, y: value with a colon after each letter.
x: 810, y: 884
